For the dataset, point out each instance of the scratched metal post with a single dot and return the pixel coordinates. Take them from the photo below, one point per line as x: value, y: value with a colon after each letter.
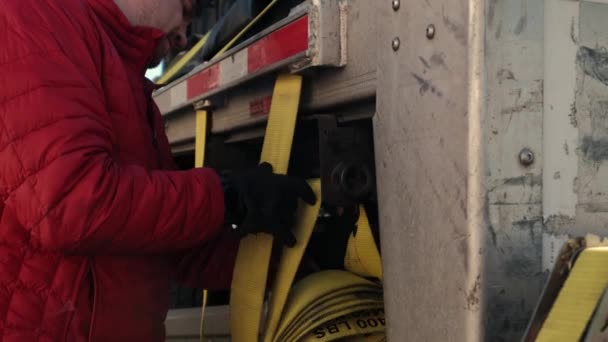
x: 532, y: 172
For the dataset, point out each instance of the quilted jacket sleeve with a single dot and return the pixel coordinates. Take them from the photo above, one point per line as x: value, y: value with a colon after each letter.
x: 58, y: 171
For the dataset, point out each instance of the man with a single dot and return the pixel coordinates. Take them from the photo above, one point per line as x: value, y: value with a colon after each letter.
x: 93, y: 225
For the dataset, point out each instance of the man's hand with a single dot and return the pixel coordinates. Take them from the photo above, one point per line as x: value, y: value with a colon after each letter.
x: 258, y: 200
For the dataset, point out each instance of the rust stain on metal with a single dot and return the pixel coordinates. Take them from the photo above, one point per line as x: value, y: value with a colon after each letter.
x: 472, y: 296
x: 464, y: 253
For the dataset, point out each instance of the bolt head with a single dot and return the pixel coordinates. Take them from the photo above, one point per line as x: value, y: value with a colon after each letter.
x: 430, y: 31
x: 396, y: 5
x: 396, y: 44
x: 526, y: 157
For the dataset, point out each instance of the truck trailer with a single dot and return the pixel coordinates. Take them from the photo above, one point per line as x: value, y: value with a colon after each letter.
x: 473, y: 134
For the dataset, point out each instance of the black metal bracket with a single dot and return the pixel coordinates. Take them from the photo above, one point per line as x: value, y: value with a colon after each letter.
x: 346, y: 161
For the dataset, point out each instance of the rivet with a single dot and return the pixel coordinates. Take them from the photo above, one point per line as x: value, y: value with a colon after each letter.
x: 396, y: 5
x: 396, y: 44
x: 430, y: 31
x: 526, y: 157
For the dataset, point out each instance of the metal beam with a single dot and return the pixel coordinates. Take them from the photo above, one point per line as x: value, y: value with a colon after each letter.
x: 429, y: 167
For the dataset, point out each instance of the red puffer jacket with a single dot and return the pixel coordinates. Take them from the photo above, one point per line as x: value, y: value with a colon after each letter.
x: 91, y: 229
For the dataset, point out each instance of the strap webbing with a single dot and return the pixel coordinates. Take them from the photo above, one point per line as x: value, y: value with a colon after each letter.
x: 352, y: 296
x: 251, y: 268
x: 355, y: 325
x: 199, y: 160
x: 238, y: 36
x: 177, y: 66
x: 185, y: 59
x: 578, y: 297
x: 290, y: 261
x: 200, y: 138
x: 362, y: 255
x: 323, y: 297
x: 314, y: 302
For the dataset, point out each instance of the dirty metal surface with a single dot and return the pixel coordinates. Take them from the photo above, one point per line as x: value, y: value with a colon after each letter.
x: 429, y: 190
x: 470, y: 229
x: 546, y: 68
x: 591, y: 108
x: 560, y: 126
x: 513, y: 121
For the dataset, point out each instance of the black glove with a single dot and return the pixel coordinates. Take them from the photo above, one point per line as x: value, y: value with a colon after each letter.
x: 258, y: 200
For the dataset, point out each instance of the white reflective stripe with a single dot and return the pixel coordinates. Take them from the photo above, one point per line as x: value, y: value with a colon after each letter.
x: 163, y: 101
x: 179, y: 94
x: 234, y: 67
x: 272, y: 49
x: 171, y: 98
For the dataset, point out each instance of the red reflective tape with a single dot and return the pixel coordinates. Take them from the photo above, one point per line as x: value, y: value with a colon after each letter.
x: 260, y: 107
x: 281, y: 44
x: 203, y: 81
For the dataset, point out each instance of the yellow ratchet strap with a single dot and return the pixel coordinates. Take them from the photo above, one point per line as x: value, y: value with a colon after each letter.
x: 200, y: 137
x: 361, y: 326
x: 324, y: 306
x: 238, y: 36
x: 324, y: 297
x: 185, y: 59
x: 251, y: 268
x: 199, y: 161
x: 290, y: 261
x: 596, y: 331
x: 362, y: 255
x: 578, y: 297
